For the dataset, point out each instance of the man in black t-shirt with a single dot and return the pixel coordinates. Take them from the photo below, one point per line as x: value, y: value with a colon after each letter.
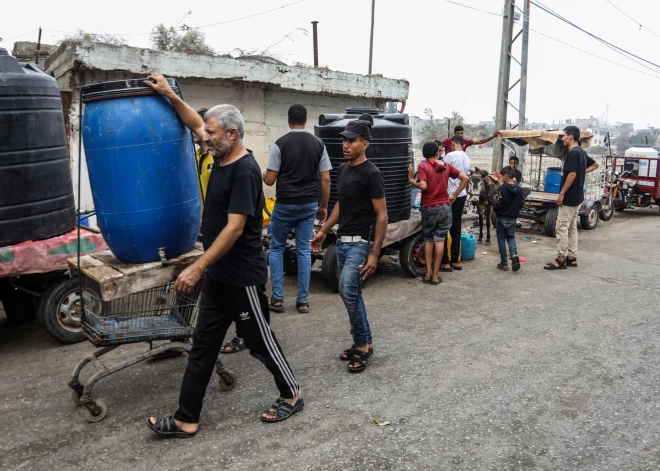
x: 362, y: 216
x: 571, y: 195
x: 233, y: 289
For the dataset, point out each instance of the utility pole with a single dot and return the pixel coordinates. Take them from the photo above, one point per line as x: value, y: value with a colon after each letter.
x: 371, y: 40
x: 316, y: 44
x: 36, y: 61
x: 503, y: 87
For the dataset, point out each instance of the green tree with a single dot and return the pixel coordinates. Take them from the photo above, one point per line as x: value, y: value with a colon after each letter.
x: 191, y: 41
x: 88, y: 38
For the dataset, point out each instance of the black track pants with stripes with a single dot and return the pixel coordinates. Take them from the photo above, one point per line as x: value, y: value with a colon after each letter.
x: 219, y: 306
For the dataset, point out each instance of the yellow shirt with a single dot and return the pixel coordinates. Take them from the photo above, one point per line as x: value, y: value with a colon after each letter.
x: 204, y: 166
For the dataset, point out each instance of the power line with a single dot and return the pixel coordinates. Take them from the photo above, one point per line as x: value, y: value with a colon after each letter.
x: 21, y: 35
x: 607, y: 43
x: 250, y: 16
x: 473, y: 8
x: 641, y: 26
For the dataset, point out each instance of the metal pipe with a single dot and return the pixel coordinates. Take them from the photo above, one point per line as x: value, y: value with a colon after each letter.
x: 38, y: 47
x: 522, y: 104
x: 316, y: 44
x: 371, y: 40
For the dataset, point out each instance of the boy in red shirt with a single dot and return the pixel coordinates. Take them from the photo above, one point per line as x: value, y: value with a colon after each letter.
x: 433, y: 175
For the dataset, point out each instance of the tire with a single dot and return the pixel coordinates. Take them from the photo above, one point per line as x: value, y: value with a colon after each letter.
x: 589, y: 220
x: 619, y: 204
x: 329, y: 267
x: 411, y: 256
x: 291, y: 262
x: 606, y: 214
x: 550, y: 223
x: 59, y: 311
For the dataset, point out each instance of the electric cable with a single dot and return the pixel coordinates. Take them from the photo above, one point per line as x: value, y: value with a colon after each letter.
x: 641, y: 26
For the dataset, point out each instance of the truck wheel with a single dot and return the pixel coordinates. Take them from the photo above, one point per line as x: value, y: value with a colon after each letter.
x: 291, y: 262
x: 606, y: 214
x: 550, y: 223
x: 60, y: 311
x: 411, y: 256
x: 589, y: 220
x: 329, y: 267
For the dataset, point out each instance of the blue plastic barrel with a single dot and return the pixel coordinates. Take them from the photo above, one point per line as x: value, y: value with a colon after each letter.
x: 140, y: 160
x: 552, y: 180
x: 468, y: 247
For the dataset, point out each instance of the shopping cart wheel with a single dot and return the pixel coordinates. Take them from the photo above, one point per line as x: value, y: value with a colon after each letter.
x: 95, y: 411
x: 76, y: 397
x: 227, y: 380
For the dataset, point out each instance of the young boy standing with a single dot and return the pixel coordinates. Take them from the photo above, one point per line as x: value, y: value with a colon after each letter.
x: 507, y: 203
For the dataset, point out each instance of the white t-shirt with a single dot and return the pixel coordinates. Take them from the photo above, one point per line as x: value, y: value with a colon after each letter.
x: 461, y: 161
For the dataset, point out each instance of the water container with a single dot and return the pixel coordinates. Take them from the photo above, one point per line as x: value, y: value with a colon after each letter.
x: 416, y: 198
x: 552, y: 180
x: 36, y: 195
x: 468, y: 247
x: 141, y: 164
x: 390, y: 149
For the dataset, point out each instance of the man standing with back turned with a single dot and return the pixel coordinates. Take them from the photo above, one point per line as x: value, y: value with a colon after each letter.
x: 361, y: 213
x: 233, y: 288
x: 571, y: 195
x: 296, y: 160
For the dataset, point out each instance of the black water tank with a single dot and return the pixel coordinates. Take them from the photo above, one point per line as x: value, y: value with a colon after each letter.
x: 390, y: 149
x: 36, y: 195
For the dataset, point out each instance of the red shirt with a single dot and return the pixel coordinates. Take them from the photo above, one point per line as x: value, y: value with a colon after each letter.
x: 446, y: 144
x: 436, y: 181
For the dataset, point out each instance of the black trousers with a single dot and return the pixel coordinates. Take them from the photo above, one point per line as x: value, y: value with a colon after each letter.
x: 455, y: 231
x: 220, y: 305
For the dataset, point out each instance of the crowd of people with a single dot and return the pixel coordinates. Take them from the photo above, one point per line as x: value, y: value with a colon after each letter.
x: 233, y: 270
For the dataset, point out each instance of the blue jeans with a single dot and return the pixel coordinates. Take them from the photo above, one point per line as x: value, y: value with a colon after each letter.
x: 349, y: 258
x: 284, y: 218
x: 506, y: 233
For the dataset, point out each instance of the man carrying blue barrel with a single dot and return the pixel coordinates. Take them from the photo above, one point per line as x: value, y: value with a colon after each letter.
x: 234, y: 265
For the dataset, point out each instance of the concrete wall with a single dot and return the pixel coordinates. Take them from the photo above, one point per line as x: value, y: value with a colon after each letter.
x: 264, y: 108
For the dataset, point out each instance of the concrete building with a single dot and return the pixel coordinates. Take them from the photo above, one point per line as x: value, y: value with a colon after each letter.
x: 262, y: 91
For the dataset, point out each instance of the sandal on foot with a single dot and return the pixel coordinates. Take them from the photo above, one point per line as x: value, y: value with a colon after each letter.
x: 167, y: 427
x: 303, y: 308
x: 515, y: 263
x: 425, y: 280
x: 282, y: 410
x: 435, y: 283
x: 571, y: 262
x: 503, y: 266
x: 448, y: 269
x: 273, y: 306
x: 561, y: 265
x: 348, y: 353
x: 455, y: 267
x: 359, y: 361
x: 235, y: 345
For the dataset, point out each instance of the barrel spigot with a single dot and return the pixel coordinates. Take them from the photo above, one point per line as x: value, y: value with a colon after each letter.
x: 163, y: 258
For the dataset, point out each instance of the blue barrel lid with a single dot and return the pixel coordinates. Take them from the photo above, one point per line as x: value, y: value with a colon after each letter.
x: 121, y: 88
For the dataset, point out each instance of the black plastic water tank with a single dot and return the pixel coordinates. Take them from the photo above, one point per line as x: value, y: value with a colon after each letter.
x: 36, y: 195
x: 390, y: 149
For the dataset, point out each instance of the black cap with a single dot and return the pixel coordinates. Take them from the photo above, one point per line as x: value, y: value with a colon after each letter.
x: 356, y: 128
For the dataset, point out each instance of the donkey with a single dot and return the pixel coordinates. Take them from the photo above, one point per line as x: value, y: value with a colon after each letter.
x: 481, y: 190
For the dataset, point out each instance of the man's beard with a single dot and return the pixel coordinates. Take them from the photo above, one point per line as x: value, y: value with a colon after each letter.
x: 222, y: 149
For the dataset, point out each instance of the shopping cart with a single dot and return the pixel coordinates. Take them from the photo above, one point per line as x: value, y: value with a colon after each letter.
x: 154, y: 314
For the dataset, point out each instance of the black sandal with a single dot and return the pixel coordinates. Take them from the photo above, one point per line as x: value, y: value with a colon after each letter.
x: 167, y: 427
x: 459, y: 268
x: 301, y: 309
x: 448, y: 269
x: 571, y: 262
x: 235, y: 345
x: 276, y: 307
x: 282, y: 410
x: 515, y: 263
x: 359, y: 361
x: 552, y: 266
x: 348, y: 353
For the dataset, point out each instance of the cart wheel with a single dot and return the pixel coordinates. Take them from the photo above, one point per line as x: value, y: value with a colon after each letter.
x: 101, y: 410
x: 589, y: 220
x: 227, y: 380
x: 291, y: 262
x: 412, y: 257
x: 60, y: 310
x: 329, y: 268
x: 606, y: 214
x: 550, y: 223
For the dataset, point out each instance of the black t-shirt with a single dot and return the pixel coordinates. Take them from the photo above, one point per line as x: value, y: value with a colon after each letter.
x: 518, y: 176
x: 356, y: 187
x: 236, y: 189
x: 576, y: 161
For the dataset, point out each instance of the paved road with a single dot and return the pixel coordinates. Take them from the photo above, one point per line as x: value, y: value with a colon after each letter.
x: 489, y: 370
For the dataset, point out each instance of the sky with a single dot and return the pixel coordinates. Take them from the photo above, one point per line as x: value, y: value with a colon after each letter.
x: 448, y: 53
